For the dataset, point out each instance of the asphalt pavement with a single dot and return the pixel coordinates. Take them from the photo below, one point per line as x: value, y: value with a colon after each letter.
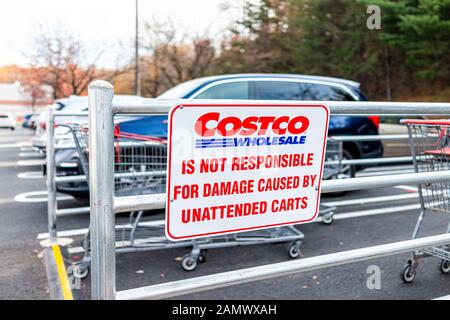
x: 363, y: 218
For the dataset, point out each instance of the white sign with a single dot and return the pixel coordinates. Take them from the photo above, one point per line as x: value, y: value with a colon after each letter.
x: 234, y: 168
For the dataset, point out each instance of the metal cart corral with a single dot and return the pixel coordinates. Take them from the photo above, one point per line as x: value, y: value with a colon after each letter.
x: 430, y: 148
x: 140, y: 169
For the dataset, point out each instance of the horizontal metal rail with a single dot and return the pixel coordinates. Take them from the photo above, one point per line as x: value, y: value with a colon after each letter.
x: 361, y: 183
x: 136, y: 203
x: 73, y: 114
x: 377, y: 160
x: 231, y: 278
x: 157, y: 201
x: 72, y: 211
x: 82, y: 178
x: 402, y: 109
x: 379, y: 137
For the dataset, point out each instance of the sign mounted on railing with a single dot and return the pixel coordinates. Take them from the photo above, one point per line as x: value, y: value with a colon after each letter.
x: 235, y: 168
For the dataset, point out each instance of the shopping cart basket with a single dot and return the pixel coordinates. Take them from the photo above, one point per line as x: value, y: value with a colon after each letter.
x: 140, y: 169
x: 332, y: 169
x: 430, y: 148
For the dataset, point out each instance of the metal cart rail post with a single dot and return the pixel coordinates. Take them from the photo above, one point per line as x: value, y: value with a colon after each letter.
x: 102, y: 218
x: 52, y: 180
x: 51, y: 172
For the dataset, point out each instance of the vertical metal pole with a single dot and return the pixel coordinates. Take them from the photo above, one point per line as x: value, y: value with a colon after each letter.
x: 137, y: 74
x: 101, y: 183
x: 51, y: 184
x: 419, y: 186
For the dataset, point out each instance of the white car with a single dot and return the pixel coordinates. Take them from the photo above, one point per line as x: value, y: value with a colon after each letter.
x: 72, y: 105
x: 7, y: 121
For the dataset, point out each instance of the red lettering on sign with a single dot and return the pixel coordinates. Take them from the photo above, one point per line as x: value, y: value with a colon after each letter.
x: 210, y: 124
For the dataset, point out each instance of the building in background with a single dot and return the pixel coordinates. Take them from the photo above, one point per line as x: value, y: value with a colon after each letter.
x: 18, y: 101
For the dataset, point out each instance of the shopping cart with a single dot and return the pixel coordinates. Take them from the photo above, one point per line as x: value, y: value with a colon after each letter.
x: 140, y: 169
x: 430, y: 148
x: 332, y: 169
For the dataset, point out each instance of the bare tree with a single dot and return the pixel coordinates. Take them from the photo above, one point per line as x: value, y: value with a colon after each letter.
x: 174, y: 57
x: 30, y: 80
x: 62, y: 62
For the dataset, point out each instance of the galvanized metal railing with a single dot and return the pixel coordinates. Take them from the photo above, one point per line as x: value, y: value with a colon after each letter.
x: 53, y: 180
x: 104, y: 204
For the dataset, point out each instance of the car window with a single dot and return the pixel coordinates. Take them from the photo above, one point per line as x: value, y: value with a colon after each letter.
x: 285, y: 90
x: 229, y: 90
x: 276, y: 90
x: 182, y: 90
x: 323, y: 92
x: 76, y: 105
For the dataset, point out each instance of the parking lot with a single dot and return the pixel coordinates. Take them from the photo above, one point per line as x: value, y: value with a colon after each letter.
x: 364, y: 218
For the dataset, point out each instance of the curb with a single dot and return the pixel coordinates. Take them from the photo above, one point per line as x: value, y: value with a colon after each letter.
x: 58, y: 282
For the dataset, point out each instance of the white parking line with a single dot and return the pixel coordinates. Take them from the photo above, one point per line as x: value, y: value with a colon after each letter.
x: 64, y: 234
x: 30, y: 175
x: 15, y: 145
x: 83, y: 231
x: 443, y: 298
x: 373, y: 212
x: 25, y: 163
x: 120, y: 244
x: 9, y: 145
x: 37, y: 196
x: 380, y: 173
x: 31, y: 154
x: 362, y: 201
x: 6, y: 164
x: 407, y: 188
x: 392, y: 167
x: 6, y: 200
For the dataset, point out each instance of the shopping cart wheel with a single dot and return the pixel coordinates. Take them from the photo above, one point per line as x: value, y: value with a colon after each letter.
x: 80, y: 272
x: 444, y: 266
x: 188, y: 262
x: 294, y: 249
x: 202, y: 256
x: 328, y: 218
x: 409, y: 272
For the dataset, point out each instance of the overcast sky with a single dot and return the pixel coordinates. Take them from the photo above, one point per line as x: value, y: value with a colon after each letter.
x: 102, y: 22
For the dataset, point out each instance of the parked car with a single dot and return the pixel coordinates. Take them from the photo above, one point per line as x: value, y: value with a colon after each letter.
x: 71, y: 104
x: 29, y: 120
x: 26, y: 120
x: 251, y: 87
x: 7, y: 121
x: 33, y: 120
